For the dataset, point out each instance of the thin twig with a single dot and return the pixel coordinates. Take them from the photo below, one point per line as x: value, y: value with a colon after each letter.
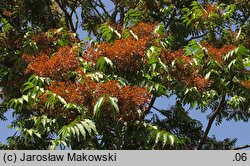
x: 157, y: 109
x: 242, y: 147
x: 122, y: 13
x: 77, y: 20
x: 73, y: 8
x: 67, y: 15
x: 97, y: 11
x: 151, y: 104
x: 101, y: 5
x: 197, y: 37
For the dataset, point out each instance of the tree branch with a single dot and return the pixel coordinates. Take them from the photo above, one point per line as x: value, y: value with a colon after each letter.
x: 67, y: 15
x: 242, y: 147
x: 90, y: 26
x: 73, y: 8
x: 157, y: 109
x: 114, y: 14
x: 122, y: 13
x: 197, y: 37
x: 97, y: 11
x: 101, y: 5
x: 77, y: 20
x: 210, y: 122
x: 151, y: 104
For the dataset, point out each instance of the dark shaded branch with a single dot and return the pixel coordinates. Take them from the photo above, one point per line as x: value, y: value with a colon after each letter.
x: 75, y: 12
x: 151, y: 104
x: 197, y: 37
x: 77, y: 20
x: 122, y: 15
x: 101, y: 5
x: 243, y: 71
x: 91, y: 27
x: 171, y: 19
x: 210, y: 122
x: 242, y: 147
x: 74, y: 8
x: 67, y: 15
x: 246, y: 17
x: 114, y: 14
x: 157, y: 109
x: 97, y: 11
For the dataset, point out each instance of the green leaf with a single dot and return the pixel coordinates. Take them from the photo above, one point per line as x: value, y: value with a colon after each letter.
x: 160, y: 29
x: 132, y: 17
x: 152, y: 54
x: 207, y: 76
x: 232, y: 63
x: 164, y: 139
x: 113, y: 101
x: 168, y: 9
x: 62, y: 42
x: 103, y: 62
x: 77, y: 129
x: 87, y: 126
x: 230, y: 9
x: 30, y: 132
x: 25, y: 98
x: 43, y: 121
x: 91, y: 125
x: 73, y: 132
x: 77, y: 132
x: 20, y: 100
x: 246, y: 62
x: 28, y: 85
x: 38, y: 135
x: 172, y: 139
x: 152, y: 60
x: 157, y: 138
x: 30, y: 47
x: 107, y: 32
x: 98, y: 105
x: 81, y: 129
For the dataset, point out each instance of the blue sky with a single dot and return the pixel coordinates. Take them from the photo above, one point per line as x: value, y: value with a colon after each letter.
x: 4, y: 131
x: 228, y: 129
x: 239, y: 130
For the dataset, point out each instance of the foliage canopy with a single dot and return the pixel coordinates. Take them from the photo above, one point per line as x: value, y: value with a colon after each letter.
x: 99, y: 93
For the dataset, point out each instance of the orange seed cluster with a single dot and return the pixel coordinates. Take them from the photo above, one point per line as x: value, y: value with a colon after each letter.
x: 210, y: 8
x: 218, y: 53
x: 63, y: 60
x: 184, y: 71
x: 245, y: 83
x: 129, y: 98
x: 128, y: 54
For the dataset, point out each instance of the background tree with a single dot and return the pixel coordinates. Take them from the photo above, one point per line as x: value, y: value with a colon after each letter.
x: 96, y: 94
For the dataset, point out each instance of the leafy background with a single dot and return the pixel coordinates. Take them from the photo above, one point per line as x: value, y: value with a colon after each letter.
x: 224, y: 128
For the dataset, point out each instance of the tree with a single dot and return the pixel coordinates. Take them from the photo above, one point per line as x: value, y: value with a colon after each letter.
x: 96, y: 94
